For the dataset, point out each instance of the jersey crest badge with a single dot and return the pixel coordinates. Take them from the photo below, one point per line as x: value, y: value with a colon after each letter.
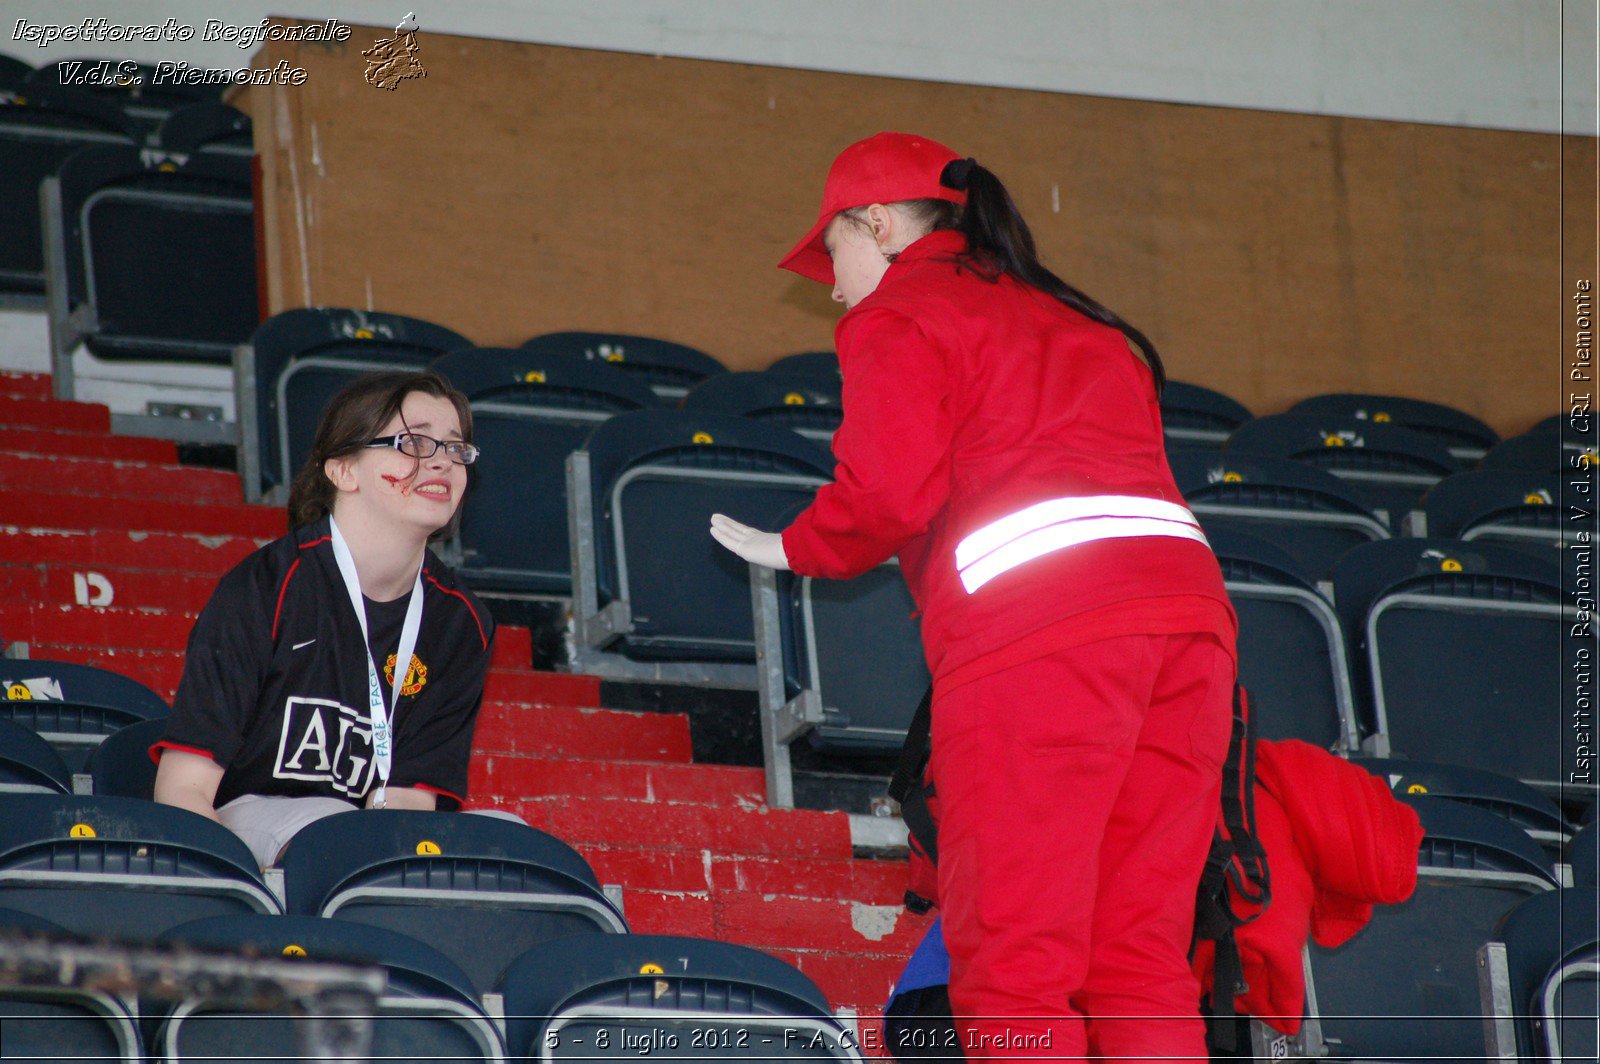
x: 416, y: 675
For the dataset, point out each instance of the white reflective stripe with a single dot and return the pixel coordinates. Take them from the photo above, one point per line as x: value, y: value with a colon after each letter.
x: 997, y: 534
x: 1042, y: 541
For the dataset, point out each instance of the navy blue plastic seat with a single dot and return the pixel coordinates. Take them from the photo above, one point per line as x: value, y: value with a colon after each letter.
x: 1195, y: 416
x: 1308, y: 512
x: 122, y: 867
x: 585, y: 997
x: 1520, y: 508
x: 29, y: 764
x: 73, y: 707
x: 1534, y: 812
x: 809, y: 363
x: 1460, y: 433
x: 1291, y: 647
x: 1583, y: 854
x: 121, y: 765
x: 428, y: 1011
x: 810, y: 405
x: 1386, y: 467
x: 479, y: 889
x: 642, y: 492
x: 1561, y: 449
x: 39, y: 128
x: 133, y: 87
x: 13, y: 72
x: 210, y: 127
x: 1405, y: 987
x: 1540, y: 971
x: 67, y: 1024
x: 670, y: 369
x: 1452, y: 645
x: 297, y: 361
x: 529, y: 411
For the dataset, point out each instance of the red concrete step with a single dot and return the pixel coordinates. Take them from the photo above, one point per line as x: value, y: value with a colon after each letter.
x: 513, y: 648
x: 105, y: 627
x: 32, y: 413
x: 59, y: 585
x: 88, y: 445
x: 870, y: 882
x: 652, y: 912
x: 542, y: 688
x: 517, y: 778
x: 778, y: 922
x: 106, y: 479
x: 66, y: 511
x: 721, y: 829
x: 859, y: 980
x: 589, y: 733
x: 103, y: 549
x: 26, y: 385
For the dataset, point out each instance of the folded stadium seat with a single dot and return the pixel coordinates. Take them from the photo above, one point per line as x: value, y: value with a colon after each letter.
x: 529, y: 411
x: 479, y: 889
x: 653, y: 594
x: 62, y: 1024
x: 121, y: 765
x: 1520, y: 508
x: 669, y: 369
x: 841, y: 664
x: 809, y: 364
x: 1192, y: 416
x: 810, y: 405
x: 29, y: 764
x: 1541, y: 974
x: 1583, y: 854
x: 1405, y: 987
x: 1291, y: 648
x: 121, y: 867
x: 13, y: 72
x: 133, y: 87
x: 583, y: 997
x: 39, y: 128
x: 209, y: 127
x: 1560, y: 449
x: 429, y: 1009
x: 1452, y: 645
x: 1511, y: 799
x: 149, y: 255
x: 1463, y: 435
x: 1306, y: 511
x: 72, y: 706
x: 1386, y: 467
x: 296, y: 361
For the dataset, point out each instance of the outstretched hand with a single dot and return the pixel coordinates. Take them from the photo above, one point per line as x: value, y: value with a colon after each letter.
x: 751, y: 544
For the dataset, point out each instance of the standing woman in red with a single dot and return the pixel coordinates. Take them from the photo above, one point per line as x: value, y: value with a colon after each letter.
x: 1002, y: 436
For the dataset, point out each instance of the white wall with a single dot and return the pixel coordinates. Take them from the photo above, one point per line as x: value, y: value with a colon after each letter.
x: 1510, y: 64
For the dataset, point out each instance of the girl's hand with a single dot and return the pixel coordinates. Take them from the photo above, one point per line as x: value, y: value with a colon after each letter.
x: 753, y: 545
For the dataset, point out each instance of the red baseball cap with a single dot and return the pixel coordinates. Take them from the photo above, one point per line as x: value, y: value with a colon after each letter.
x: 885, y: 168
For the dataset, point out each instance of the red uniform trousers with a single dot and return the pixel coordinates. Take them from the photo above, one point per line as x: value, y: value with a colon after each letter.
x: 1078, y: 793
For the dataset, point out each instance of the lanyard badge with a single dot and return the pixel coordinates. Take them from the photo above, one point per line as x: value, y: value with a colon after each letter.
x: 382, y: 715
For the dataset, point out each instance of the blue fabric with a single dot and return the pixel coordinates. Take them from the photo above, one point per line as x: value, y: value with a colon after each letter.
x: 928, y: 966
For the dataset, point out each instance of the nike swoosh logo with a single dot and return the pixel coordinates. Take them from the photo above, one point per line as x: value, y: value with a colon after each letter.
x: 307, y: 643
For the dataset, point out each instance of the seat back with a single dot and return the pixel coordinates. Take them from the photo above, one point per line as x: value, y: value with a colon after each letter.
x: 635, y: 995
x: 1546, y: 940
x: 1521, y: 508
x: 134, y: 88
x: 50, y: 1024
x: 122, y: 867
x: 669, y: 369
x: 1195, y: 416
x: 823, y: 364
x: 121, y: 765
x: 1583, y: 854
x: 210, y: 127
x: 529, y: 411
x: 297, y: 361
x: 481, y: 889
x: 810, y: 405
x: 73, y: 707
x: 1549, y: 449
x: 1463, y: 435
x: 1508, y: 798
x: 29, y: 764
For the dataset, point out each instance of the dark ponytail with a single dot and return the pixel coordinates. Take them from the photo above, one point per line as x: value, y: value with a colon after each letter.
x: 999, y: 241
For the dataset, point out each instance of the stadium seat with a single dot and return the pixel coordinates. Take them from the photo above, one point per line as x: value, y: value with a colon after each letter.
x: 479, y: 889
x: 428, y: 1010
x: 1452, y: 648
x: 121, y: 765
x: 1463, y: 435
x: 529, y: 411
x: 1561, y: 449
x: 298, y: 360
x: 1291, y: 648
x: 669, y: 369
x: 29, y: 764
x: 38, y: 130
x: 59, y: 1025
x: 1386, y: 467
x: 1405, y: 987
x: 150, y: 255
x: 811, y: 406
x: 1536, y: 813
x: 1539, y: 974
x: 611, y: 997
x: 13, y: 72
x: 1520, y: 508
x: 209, y: 127
x: 809, y: 364
x: 650, y: 585
x: 1308, y: 512
x: 121, y: 867
x: 1193, y: 416
x: 133, y: 87
x: 73, y: 706
x: 841, y: 664
x: 1583, y: 854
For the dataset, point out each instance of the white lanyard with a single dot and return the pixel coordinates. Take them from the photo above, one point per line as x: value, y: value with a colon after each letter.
x: 382, y: 716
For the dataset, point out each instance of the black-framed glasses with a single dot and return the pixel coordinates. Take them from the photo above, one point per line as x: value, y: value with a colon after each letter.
x: 416, y: 445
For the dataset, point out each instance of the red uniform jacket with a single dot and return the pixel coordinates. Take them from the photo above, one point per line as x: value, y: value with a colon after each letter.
x: 1337, y: 842
x: 967, y: 400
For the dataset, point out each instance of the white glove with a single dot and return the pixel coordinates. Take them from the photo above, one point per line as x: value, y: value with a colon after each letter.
x: 751, y: 544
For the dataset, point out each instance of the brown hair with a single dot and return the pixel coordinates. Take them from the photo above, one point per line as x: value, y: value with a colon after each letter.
x: 351, y: 420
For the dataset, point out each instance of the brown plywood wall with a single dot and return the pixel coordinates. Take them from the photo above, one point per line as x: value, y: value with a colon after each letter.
x: 521, y: 188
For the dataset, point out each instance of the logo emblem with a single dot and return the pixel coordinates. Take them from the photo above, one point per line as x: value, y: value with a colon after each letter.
x: 81, y: 831
x: 652, y: 969
x: 794, y: 399
x: 703, y: 437
x: 292, y: 950
x: 392, y: 60
x: 426, y: 848
x: 416, y: 675
x: 533, y: 376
